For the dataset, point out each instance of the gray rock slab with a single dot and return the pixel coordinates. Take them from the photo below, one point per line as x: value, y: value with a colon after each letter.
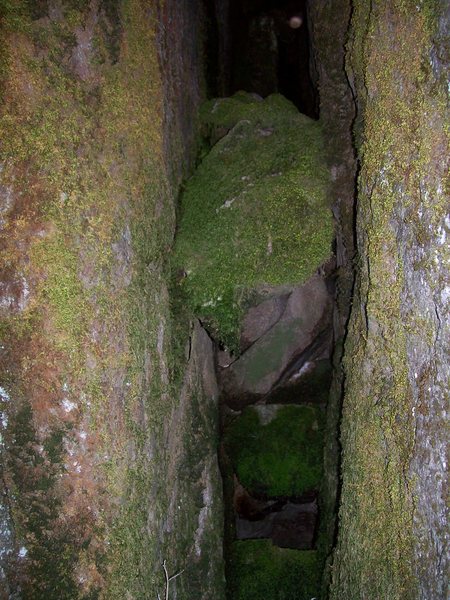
x: 259, y: 319
x: 306, y: 316
x: 291, y: 527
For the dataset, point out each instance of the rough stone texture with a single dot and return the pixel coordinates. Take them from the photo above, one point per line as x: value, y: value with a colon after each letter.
x: 181, y: 53
x: 392, y: 540
x: 301, y: 334
x: 295, y: 526
x: 290, y: 526
x: 195, y: 514
x: 92, y: 475
x: 328, y: 23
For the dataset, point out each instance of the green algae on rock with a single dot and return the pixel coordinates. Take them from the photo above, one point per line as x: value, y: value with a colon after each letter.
x: 277, y: 450
x: 255, y: 212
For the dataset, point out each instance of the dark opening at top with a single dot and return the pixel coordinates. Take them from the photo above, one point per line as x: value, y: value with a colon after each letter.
x: 269, y: 51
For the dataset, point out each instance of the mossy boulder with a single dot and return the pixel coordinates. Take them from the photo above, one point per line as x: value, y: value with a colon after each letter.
x: 258, y: 570
x: 276, y: 450
x: 255, y: 213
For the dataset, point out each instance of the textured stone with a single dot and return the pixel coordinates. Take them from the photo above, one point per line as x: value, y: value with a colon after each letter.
x: 393, y: 530
x: 302, y: 334
x: 287, y: 523
x: 290, y: 525
x: 329, y: 37
x: 194, y: 474
x: 108, y: 467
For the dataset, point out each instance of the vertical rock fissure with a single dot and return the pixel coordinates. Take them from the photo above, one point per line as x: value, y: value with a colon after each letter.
x: 279, y: 333
x: 264, y: 47
x: 337, y: 110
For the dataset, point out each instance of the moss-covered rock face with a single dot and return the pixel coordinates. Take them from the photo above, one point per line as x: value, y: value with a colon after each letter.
x: 259, y: 571
x: 96, y: 434
x: 393, y: 527
x: 277, y: 450
x: 255, y: 212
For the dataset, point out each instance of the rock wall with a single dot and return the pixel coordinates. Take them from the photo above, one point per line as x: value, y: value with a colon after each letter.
x: 182, y: 51
x: 392, y: 532
x: 104, y: 415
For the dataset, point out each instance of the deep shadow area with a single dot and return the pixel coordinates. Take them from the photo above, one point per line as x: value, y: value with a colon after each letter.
x: 270, y: 51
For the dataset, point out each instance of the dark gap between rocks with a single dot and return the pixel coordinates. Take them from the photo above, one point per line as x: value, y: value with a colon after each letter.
x: 262, y: 47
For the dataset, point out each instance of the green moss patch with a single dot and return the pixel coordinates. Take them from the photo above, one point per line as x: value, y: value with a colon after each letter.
x: 255, y: 212
x: 258, y: 570
x: 280, y: 458
x: 227, y: 112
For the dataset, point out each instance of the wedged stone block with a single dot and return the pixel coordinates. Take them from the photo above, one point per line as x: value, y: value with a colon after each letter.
x: 255, y: 215
x: 301, y: 335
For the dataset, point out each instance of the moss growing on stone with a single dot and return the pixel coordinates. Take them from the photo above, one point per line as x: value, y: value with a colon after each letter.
x: 258, y: 570
x: 382, y: 550
x: 35, y: 475
x: 255, y: 212
x: 87, y: 218
x: 227, y: 112
x: 282, y: 457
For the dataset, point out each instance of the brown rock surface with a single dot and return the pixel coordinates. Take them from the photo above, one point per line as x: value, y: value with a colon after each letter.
x: 288, y: 524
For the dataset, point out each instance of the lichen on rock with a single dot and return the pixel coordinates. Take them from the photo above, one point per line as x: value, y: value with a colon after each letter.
x: 393, y: 504
x: 87, y: 217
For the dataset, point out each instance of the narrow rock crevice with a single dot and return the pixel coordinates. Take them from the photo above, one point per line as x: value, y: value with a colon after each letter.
x: 224, y: 237
x: 289, y: 345
x: 270, y: 51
